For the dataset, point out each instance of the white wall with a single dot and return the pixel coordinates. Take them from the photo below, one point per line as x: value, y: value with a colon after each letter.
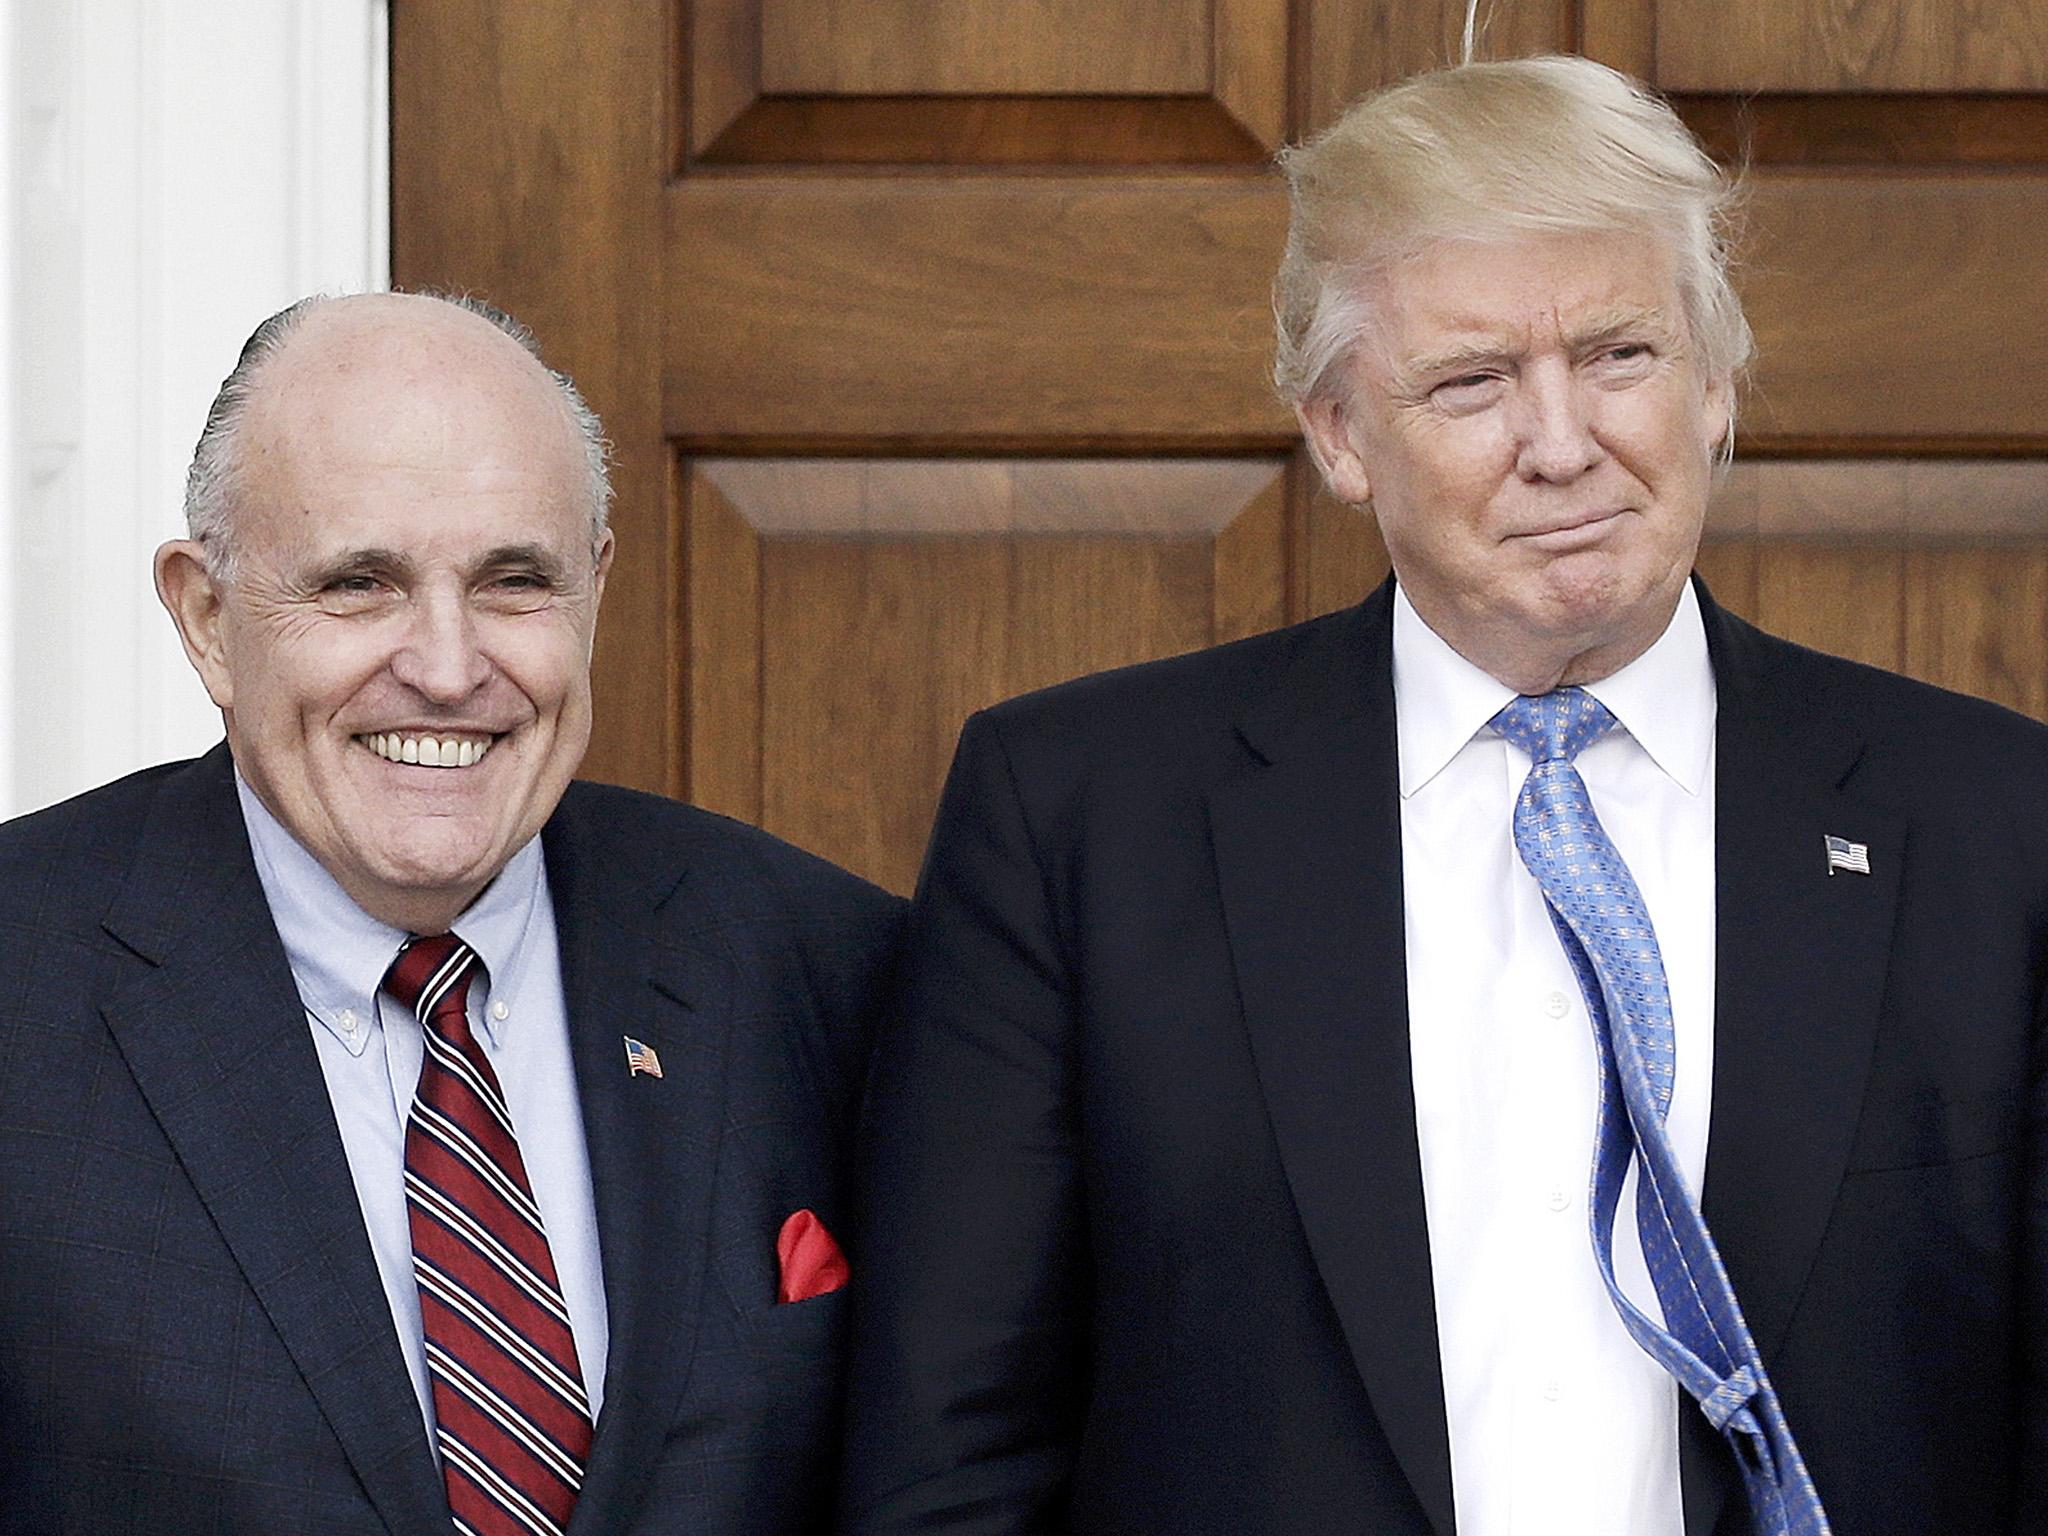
x: 172, y: 171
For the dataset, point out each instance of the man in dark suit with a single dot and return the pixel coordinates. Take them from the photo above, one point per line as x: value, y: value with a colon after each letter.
x: 378, y: 1109
x: 1285, y: 1023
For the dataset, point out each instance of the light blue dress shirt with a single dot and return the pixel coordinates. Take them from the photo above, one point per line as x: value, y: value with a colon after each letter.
x: 370, y: 1050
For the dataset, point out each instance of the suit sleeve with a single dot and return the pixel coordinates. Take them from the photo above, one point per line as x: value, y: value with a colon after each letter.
x: 968, y: 1363
x: 2031, y: 1514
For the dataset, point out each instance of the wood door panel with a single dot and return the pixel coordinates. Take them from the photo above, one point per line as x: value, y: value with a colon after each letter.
x: 1353, y: 48
x: 1937, y: 569
x: 952, y: 309
x: 1852, y: 45
x: 1871, y: 131
x: 1844, y: 598
x: 1921, y: 502
x: 1977, y: 620
x: 948, y: 310
x: 985, y: 47
x: 1896, y: 310
x: 482, y: 134
x: 846, y: 616
x: 1027, y: 82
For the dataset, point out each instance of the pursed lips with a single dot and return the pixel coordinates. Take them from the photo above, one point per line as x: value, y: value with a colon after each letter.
x: 1576, y: 524
x: 429, y: 749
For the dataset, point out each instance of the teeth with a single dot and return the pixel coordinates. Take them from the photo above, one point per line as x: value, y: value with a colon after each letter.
x: 427, y: 751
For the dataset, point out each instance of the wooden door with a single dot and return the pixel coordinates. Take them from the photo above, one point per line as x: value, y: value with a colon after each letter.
x: 931, y: 337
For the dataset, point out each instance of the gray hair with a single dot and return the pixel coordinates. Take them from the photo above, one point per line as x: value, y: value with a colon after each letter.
x: 212, y: 483
x: 1495, y: 151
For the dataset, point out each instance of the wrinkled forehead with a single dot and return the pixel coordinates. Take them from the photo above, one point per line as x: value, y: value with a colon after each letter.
x: 421, y: 423
x: 1564, y: 288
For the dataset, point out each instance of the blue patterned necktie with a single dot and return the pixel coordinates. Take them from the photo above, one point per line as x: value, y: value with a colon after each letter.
x: 1605, y: 929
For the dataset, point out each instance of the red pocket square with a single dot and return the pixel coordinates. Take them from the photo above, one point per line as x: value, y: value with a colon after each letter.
x: 812, y: 1264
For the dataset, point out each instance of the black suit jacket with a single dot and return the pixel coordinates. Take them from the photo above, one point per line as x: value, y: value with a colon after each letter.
x: 1142, y: 1202
x: 193, y: 1336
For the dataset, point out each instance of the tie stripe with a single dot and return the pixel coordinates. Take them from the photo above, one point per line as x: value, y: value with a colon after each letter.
x: 512, y: 1418
x: 1604, y: 927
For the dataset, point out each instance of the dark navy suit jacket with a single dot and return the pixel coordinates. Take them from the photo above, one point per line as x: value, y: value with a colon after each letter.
x: 1144, y: 1209
x: 193, y: 1337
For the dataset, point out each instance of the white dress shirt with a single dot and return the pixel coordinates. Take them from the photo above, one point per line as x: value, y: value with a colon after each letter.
x: 1559, y: 1422
x: 371, y: 1047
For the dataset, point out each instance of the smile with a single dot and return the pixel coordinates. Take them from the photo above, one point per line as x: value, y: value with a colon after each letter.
x: 428, y: 751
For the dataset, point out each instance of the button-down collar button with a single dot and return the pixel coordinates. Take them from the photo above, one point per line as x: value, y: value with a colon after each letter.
x: 501, y: 1011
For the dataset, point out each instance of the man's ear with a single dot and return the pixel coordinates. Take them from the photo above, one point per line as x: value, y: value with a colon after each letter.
x: 1326, y: 427
x: 1717, y: 414
x: 193, y: 600
x: 606, y: 548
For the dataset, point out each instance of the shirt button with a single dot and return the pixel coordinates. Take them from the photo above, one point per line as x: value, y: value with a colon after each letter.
x: 501, y: 1011
x: 1552, y: 1392
x: 1557, y: 1005
x: 1559, y: 1199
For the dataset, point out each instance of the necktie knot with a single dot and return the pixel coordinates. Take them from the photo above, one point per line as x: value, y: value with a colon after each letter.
x: 429, y: 970
x: 1555, y: 726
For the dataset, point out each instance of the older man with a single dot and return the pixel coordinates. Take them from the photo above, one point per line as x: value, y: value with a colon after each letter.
x: 391, y: 1132
x: 1316, y: 1049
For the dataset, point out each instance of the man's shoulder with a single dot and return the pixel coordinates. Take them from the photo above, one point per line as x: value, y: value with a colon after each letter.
x: 1889, y: 710
x: 87, y: 840
x: 666, y: 841
x: 1149, y: 704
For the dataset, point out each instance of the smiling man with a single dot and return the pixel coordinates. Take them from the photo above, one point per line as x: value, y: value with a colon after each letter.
x: 394, y: 1136
x: 1529, y: 1055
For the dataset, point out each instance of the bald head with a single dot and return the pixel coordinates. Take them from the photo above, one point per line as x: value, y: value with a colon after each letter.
x: 415, y: 338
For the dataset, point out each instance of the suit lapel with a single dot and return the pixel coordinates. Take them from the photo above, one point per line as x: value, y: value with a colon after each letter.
x: 1307, y: 850
x: 653, y: 1142
x: 1799, y: 973
x: 216, y: 1039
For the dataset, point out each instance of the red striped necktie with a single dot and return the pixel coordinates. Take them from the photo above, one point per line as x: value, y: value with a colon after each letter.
x: 511, y: 1415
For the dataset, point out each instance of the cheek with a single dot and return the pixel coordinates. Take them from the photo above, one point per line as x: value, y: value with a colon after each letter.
x: 551, y: 669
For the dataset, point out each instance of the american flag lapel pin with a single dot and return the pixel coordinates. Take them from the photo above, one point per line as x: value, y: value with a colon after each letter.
x: 641, y: 1057
x: 1843, y: 854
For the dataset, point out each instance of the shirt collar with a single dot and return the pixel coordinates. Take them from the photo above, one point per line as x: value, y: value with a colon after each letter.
x: 1664, y: 699
x: 339, y: 953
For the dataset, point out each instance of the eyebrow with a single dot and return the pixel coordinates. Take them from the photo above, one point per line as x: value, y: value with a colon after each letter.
x: 1602, y: 329
x: 537, y: 558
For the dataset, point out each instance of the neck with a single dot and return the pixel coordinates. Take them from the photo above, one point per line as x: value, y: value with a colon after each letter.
x: 1535, y: 663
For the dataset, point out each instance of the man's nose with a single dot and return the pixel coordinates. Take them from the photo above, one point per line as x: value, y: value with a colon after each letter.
x: 441, y: 657
x: 1555, y: 436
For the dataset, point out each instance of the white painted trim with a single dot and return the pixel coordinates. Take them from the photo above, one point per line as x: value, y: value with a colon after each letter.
x: 13, y: 476
x: 173, y: 172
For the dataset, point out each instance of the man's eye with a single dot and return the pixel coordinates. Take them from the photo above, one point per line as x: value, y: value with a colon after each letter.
x: 1467, y: 390
x: 517, y: 589
x: 351, y: 589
